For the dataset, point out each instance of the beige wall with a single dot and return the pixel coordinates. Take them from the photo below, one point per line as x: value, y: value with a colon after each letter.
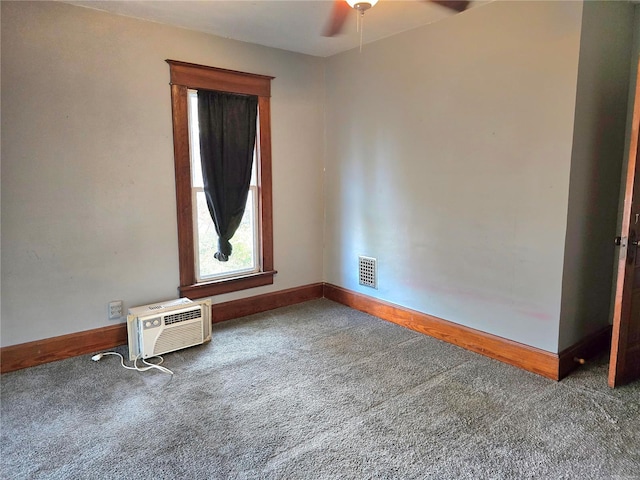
x: 596, y: 163
x: 88, y: 202
x: 448, y: 153
x: 448, y: 159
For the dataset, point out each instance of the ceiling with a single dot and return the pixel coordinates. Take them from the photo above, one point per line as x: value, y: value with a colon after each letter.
x: 290, y: 25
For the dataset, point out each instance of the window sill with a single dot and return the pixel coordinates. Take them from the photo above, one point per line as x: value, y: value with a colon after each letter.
x: 227, y: 285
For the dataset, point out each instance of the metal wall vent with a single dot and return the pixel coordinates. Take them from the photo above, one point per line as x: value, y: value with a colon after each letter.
x: 368, y: 271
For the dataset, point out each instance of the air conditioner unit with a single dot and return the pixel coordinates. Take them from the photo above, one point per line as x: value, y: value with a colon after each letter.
x: 164, y: 327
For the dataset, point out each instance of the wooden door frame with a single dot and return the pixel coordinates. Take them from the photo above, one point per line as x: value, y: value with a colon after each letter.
x: 622, y: 309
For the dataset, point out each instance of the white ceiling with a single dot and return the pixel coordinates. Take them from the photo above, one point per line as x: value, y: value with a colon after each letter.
x: 290, y: 25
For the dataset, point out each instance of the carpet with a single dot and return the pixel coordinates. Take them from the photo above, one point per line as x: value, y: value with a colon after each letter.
x: 316, y: 391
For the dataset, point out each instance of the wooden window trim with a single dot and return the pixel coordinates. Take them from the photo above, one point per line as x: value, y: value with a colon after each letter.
x: 183, y: 77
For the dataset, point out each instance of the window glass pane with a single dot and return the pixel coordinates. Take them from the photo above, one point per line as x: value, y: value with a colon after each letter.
x: 194, y: 140
x: 254, y: 167
x: 242, y: 258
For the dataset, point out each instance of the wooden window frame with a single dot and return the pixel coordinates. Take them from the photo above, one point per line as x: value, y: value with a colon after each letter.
x: 185, y: 76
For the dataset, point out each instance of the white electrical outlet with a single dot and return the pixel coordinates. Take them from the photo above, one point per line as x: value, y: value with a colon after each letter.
x: 116, y: 310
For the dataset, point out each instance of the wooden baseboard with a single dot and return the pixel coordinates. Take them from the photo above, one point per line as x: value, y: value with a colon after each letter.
x: 528, y: 358
x: 262, y: 303
x: 590, y: 346
x: 30, y: 354
x: 547, y: 364
x: 16, y: 357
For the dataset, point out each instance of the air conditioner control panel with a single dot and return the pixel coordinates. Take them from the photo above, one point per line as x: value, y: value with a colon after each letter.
x: 151, y: 323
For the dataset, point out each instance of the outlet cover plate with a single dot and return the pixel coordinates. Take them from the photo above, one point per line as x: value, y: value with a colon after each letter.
x: 116, y: 310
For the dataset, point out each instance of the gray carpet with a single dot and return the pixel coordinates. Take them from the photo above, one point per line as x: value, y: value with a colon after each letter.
x: 316, y: 391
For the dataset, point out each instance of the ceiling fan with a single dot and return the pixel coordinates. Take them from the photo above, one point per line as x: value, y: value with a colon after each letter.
x: 341, y: 9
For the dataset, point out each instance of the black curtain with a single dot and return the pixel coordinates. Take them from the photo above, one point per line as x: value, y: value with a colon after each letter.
x: 227, y: 137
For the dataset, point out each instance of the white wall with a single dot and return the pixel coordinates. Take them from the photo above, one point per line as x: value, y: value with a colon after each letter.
x: 448, y: 159
x: 88, y: 199
x: 596, y: 162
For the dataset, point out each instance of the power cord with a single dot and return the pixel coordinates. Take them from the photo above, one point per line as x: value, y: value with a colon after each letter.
x: 149, y: 366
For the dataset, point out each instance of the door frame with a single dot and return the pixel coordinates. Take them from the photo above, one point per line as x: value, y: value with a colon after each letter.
x: 618, y: 373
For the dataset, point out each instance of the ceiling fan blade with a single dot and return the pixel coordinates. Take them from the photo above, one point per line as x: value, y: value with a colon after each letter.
x: 457, y: 5
x: 339, y: 15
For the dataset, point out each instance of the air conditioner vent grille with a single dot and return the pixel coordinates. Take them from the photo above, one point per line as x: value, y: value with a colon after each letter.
x: 182, y: 316
x: 182, y: 336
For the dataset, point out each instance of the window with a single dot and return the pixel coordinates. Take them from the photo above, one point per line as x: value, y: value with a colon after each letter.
x: 246, y: 240
x: 251, y: 265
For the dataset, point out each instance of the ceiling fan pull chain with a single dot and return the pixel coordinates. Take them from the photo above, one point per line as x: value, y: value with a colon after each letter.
x: 361, y: 29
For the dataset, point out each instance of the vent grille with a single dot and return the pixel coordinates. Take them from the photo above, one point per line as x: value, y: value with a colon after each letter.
x: 181, y: 317
x: 182, y: 336
x: 368, y: 272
